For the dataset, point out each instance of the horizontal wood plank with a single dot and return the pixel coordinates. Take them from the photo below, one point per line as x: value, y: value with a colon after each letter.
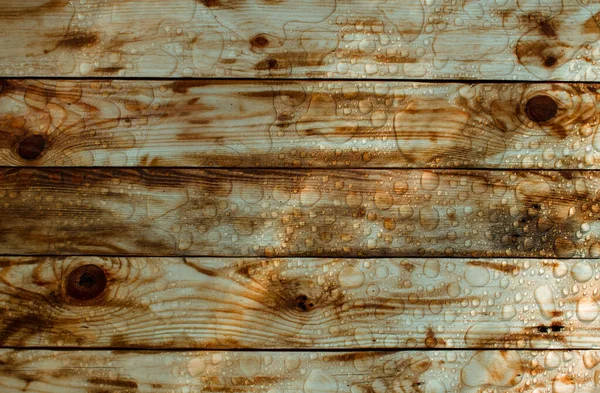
x: 298, y: 303
x: 310, y: 38
x: 227, y: 212
x: 298, y: 124
x: 307, y: 372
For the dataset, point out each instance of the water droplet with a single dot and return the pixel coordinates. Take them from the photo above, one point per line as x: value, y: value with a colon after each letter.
x: 477, y: 276
x: 383, y: 200
x: 587, y: 309
x: 545, y: 301
x: 320, y: 381
x: 351, y: 277
x: 309, y: 196
x: 431, y: 268
x: 563, y: 384
x: 482, y: 369
x: 196, y: 366
x: 582, y: 271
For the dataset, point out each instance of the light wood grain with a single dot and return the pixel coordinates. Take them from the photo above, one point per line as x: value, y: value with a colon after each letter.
x: 299, y: 124
x: 557, y: 40
x: 229, y: 212
x: 300, y: 303
x: 303, y: 372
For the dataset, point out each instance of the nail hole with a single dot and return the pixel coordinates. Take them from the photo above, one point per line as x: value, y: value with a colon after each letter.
x: 32, y: 147
x: 85, y: 282
x: 541, y: 108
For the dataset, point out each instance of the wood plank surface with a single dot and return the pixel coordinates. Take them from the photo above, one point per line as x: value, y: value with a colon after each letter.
x: 228, y: 212
x: 298, y: 124
x: 298, y: 303
x: 555, y: 40
x: 303, y: 372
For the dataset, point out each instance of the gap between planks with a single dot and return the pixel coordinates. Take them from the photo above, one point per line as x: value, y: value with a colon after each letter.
x: 279, y: 80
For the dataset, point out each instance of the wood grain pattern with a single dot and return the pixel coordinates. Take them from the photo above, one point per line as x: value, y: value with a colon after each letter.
x: 229, y: 212
x: 303, y: 372
x: 298, y: 124
x: 298, y: 303
x: 557, y: 40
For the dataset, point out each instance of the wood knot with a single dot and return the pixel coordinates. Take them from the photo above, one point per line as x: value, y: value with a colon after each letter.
x: 85, y: 282
x: 269, y: 64
x: 550, y: 61
x: 32, y: 147
x: 541, y: 108
x: 260, y: 41
x: 303, y: 303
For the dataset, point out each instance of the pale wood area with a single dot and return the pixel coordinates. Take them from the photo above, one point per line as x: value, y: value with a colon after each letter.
x: 299, y: 303
x: 555, y: 40
x: 298, y: 124
x: 301, y: 372
x: 229, y: 212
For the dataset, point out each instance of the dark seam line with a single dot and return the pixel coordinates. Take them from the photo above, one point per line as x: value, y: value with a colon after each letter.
x: 298, y: 169
x: 294, y: 350
x: 2, y: 255
x: 281, y: 80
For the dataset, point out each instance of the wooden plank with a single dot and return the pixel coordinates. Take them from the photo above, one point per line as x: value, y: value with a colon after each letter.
x: 298, y: 124
x: 311, y: 38
x: 227, y: 212
x: 307, y: 372
x: 298, y: 303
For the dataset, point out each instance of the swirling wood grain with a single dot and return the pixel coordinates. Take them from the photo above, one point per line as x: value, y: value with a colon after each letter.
x: 298, y: 124
x: 167, y: 303
x: 554, y: 40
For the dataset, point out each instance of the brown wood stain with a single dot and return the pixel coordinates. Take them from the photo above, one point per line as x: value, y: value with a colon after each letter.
x: 299, y: 196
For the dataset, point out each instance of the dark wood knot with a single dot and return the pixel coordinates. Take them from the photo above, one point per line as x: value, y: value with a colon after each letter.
x: 260, y: 41
x: 303, y: 303
x: 85, y: 282
x: 32, y: 147
x: 541, y: 108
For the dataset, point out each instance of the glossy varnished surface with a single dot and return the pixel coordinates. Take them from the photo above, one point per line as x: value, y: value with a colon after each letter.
x: 293, y: 203
x: 301, y: 303
x: 298, y: 124
x: 229, y: 212
x: 556, y: 40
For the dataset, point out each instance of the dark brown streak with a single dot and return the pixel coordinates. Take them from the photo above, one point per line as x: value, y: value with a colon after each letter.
x: 200, y: 269
x: 79, y: 40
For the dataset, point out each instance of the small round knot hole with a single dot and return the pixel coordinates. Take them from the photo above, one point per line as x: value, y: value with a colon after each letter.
x: 85, y: 282
x: 32, y: 147
x: 541, y: 108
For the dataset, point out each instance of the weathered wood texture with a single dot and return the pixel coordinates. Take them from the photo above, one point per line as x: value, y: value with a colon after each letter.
x: 229, y: 212
x: 303, y: 372
x: 312, y: 38
x: 298, y: 303
x: 298, y: 124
